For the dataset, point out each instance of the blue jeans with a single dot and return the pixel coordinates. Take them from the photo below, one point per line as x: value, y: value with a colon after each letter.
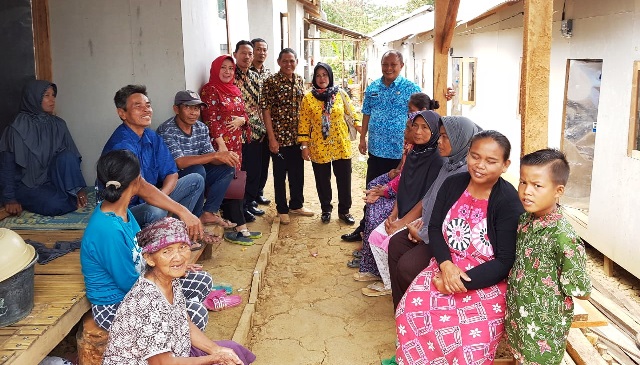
x: 187, y: 191
x: 216, y: 181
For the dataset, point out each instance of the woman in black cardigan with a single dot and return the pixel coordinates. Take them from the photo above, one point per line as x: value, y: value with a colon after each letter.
x: 454, y: 309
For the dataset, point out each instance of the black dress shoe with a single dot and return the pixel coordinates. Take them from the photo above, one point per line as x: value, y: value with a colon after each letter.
x: 325, y: 217
x: 248, y: 217
x: 347, y: 218
x: 262, y: 200
x: 255, y: 211
x: 254, y: 204
x: 353, y: 236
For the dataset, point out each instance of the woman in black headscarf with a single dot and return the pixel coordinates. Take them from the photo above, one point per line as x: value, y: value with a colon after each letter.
x: 323, y: 135
x: 39, y: 162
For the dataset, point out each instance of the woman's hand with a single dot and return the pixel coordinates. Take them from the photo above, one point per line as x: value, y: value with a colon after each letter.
x: 194, y: 267
x: 413, y: 228
x: 372, y: 195
x: 392, y: 225
x: 439, y: 284
x: 393, y: 173
x: 235, y: 123
x: 13, y: 208
x: 451, y: 277
x: 224, y: 356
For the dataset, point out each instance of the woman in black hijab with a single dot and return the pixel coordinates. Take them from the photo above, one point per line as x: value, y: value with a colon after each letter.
x: 39, y: 162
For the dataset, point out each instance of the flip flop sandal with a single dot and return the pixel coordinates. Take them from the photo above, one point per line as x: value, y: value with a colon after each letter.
x: 357, y: 254
x: 375, y: 293
x: 254, y: 235
x: 354, y: 264
x: 217, y: 294
x: 224, y: 223
x: 195, y: 246
x: 228, y: 288
x: 218, y: 304
x: 210, y: 239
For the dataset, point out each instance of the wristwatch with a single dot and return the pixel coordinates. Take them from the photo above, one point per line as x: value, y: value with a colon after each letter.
x: 303, y: 147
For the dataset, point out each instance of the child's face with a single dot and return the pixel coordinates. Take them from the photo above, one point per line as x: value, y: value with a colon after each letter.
x: 537, y: 192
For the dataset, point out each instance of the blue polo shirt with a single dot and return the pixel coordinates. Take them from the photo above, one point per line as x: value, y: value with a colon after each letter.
x: 387, y: 109
x: 156, y: 162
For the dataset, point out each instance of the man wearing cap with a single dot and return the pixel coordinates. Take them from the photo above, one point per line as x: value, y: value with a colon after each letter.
x: 156, y: 163
x: 188, y: 141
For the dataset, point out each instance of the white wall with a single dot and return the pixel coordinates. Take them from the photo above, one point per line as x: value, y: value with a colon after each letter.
x: 238, y: 15
x: 98, y: 47
x: 200, y: 40
x: 296, y: 32
x: 264, y: 22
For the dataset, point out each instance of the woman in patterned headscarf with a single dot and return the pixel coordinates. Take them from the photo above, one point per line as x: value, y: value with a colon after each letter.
x: 152, y: 325
x: 324, y: 139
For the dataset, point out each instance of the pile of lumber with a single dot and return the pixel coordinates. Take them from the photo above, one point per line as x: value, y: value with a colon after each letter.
x: 616, y: 342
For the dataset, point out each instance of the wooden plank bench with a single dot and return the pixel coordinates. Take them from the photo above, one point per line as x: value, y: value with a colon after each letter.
x: 59, y: 303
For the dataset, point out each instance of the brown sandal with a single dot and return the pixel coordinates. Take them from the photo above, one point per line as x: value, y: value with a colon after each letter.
x: 219, y: 221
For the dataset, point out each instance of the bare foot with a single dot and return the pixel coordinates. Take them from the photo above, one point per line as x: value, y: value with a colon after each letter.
x: 208, y: 218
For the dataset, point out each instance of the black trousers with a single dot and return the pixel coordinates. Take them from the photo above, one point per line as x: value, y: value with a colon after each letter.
x: 233, y: 211
x: 264, y: 172
x: 288, y: 164
x: 342, y: 171
x: 252, y: 164
x: 377, y: 166
x: 406, y: 260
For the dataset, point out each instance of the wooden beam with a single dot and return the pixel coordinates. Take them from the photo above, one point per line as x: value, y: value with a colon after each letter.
x: 42, y: 39
x: 446, y: 13
x: 450, y: 23
x: 581, y: 351
x: 534, y: 85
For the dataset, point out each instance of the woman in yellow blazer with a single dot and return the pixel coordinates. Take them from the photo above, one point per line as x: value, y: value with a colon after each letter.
x: 323, y: 135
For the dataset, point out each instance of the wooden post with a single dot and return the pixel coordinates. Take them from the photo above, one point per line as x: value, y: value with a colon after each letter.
x: 534, y: 89
x: 42, y: 39
x: 445, y: 22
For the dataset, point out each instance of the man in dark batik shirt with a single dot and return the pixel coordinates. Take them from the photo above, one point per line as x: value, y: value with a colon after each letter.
x: 281, y: 97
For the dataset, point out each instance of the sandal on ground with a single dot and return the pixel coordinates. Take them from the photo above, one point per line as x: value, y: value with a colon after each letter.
x: 354, y: 264
x: 218, y: 293
x: 254, y: 235
x: 220, y: 303
x: 238, y: 238
x: 357, y: 254
x: 365, y: 276
x: 209, y: 238
x: 195, y: 245
x: 375, y: 293
x: 228, y: 288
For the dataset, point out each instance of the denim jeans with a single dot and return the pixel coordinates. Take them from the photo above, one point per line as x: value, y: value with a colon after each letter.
x: 187, y: 191
x: 216, y: 181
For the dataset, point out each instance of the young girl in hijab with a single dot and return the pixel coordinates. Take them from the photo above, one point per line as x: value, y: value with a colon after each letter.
x: 420, y: 170
x: 324, y: 138
x: 39, y: 162
x: 407, y: 256
x: 227, y: 120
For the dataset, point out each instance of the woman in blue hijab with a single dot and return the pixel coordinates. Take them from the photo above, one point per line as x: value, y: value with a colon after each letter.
x: 39, y: 162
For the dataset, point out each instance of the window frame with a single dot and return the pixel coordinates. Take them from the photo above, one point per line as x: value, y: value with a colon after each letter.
x: 633, y: 148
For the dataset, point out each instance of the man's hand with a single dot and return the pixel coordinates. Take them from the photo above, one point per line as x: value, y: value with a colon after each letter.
x: 226, y: 157
x: 13, y: 208
x: 362, y: 147
x: 194, y: 225
x: 306, y: 154
x: 274, y: 146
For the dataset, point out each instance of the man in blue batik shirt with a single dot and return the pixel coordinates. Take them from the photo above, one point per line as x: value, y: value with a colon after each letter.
x: 384, y: 116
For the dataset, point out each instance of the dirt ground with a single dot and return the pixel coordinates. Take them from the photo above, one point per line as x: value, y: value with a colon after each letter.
x: 310, y: 310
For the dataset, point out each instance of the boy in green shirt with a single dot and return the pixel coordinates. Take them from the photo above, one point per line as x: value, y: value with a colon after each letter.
x: 550, y: 264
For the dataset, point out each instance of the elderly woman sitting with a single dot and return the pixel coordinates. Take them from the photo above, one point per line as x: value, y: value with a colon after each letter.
x: 152, y: 325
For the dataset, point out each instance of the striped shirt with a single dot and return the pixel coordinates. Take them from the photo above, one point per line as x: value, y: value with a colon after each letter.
x: 181, y: 144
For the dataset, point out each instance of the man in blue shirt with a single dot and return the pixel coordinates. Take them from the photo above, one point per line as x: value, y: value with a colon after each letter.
x: 384, y: 117
x: 156, y: 163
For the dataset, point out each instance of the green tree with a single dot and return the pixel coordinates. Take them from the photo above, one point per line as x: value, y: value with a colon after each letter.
x: 414, y: 4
